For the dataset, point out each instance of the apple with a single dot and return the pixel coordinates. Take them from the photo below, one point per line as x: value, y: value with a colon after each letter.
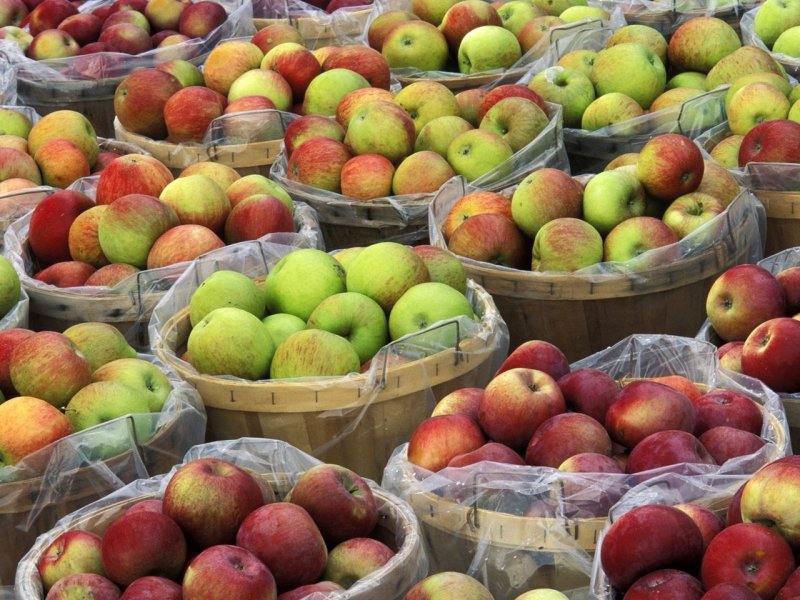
x: 479, y: 152
x: 422, y: 306
x: 50, y: 223
x: 126, y: 38
x: 84, y: 585
x: 152, y: 587
x: 448, y: 584
x: 48, y: 14
x: 516, y: 13
x: 18, y: 436
x: 15, y: 164
x: 727, y: 407
x: 165, y: 14
x: 100, y: 343
x: 366, y: 61
x: 416, y: 44
x: 82, y: 239
x: 209, y: 498
x: 590, y: 462
x: 673, y: 97
x: 439, y: 439
x: 771, y: 141
x: 724, y: 442
x: 491, y: 451
x: 474, y: 204
x: 305, y: 591
x: 197, y: 199
x: 65, y: 274
x: 132, y: 16
x: 641, y: 34
x: 690, y: 211
x: 21, y: 38
x: 327, y: 89
x: 257, y: 216
x: 564, y: 435
x: 199, y: 19
x: 768, y: 350
x: 463, y: 17
x: 707, y: 521
x: 314, y: 353
x: 12, y: 13
x: 718, y: 182
x: 755, y: 103
x: 262, y: 82
x: 255, y: 184
x: 700, y: 43
x: 551, y: 254
x: 227, y: 571
x: 790, y: 588
x: 318, y: 162
x: 666, y: 448
x: 789, y: 279
x: 748, y: 553
x: 274, y: 34
x: 731, y: 591
x: 535, y: 32
x: 486, y: 48
x: 469, y: 102
x: 185, y: 72
x: 778, y: 81
x: 354, y: 559
x: 188, y: 113
x: 422, y: 172
x: 181, y: 244
x: 730, y: 356
x: 443, y: 266
x: 669, y: 165
x: 228, y: 61
x: 571, y: 89
x: 138, y: 374
x: 726, y: 152
x: 631, y: 69
x: 132, y: 174
x: 111, y: 275
x: 381, y: 127
x: 69, y: 125
x: 355, y: 100
x: 367, y: 176
x: 517, y: 120
x: 284, y: 537
x: 295, y: 63
x: 787, y: 42
x: 463, y: 401
x: 490, y: 238
x: 102, y: 401
x: 74, y: 551
x: 9, y: 339
x: 304, y: 128
x: 678, y: 584
x: 609, y: 109
x: 223, y: 175
x: 770, y: 23
x: 747, y: 59
x: 426, y: 100
x: 611, y: 197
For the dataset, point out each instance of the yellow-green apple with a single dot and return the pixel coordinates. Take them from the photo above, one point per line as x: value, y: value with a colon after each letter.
x: 566, y: 244
x: 61, y: 162
x: 432, y: 11
x: 197, y: 199
x: 788, y: 42
x: 28, y: 424
x: 284, y: 537
x: 422, y: 172
x: 667, y: 409
x: 517, y: 120
x: 176, y: 41
x: 313, y: 272
x: 424, y: 305
x: 690, y: 211
x: 50, y: 223
x: 282, y: 325
x: 773, y: 18
x: 126, y: 16
x: 295, y: 63
x: 185, y: 72
x: 771, y: 141
x: 367, y: 176
x: 469, y: 102
x: 564, y: 435
x: 492, y: 238
x: 327, y: 89
x: 612, y: 197
x: 51, y: 44
x: 544, y: 195
x: 486, y: 48
x: 437, y: 134
x: 769, y: 350
x: 590, y: 462
x: 707, y: 521
x: 581, y: 60
x: 182, y: 243
x: 501, y: 92
x: 718, y: 182
x: 257, y: 216
x: 673, y: 541
x: 437, y: 440
x: 380, y: 26
x: 15, y: 123
x: 385, y: 271
x: 755, y: 103
x: 478, y: 152
x: 262, y: 82
x: 690, y: 79
x: 608, y: 109
x: 229, y: 60
x: 355, y: 100
x: 231, y: 341
x: 726, y: 152
x: 89, y: 585
x: 491, y: 451
x: 47, y: 365
x: 12, y: 12
x: 473, y: 204
x: 631, y: 69
x: 463, y: 401
x: 666, y: 448
x: 138, y: 374
x: 255, y: 184
x: 426, y: 100
x: 673, y: 97
x: 733, y: 591
x: 674, y: 582
x: 381, y: 127
x: 516, y: 402
x: 542, y: 594
x: 188, y: 113
x: 747, y: 59
x: 71, y: 273
x: 74, y: 551
x: 83, y: 27
x: 209, y: 498
x: 767, y: 495
x: 305, y: 591
x: 355, y: 317
x: 110, y: 275
x: 152, y: 586
x: 227, y: 570
x: 774, y: 79
x: 17, y: 36
x: 9, y: 339
x: 416, y: 44
x: 131, y: 225
x: 576, y: 13
x: 126, y: 38
x: 16, y: 164
x: 464, y: 16
x: 318, y: 163
x: 724, y: 443
x: 355, y: 559
x: 99, y: 343
x: 669, y: 165
x: 515, y: 14
x: 222, y: 175
x: 276, y: 33
x: 700, y: 43
x: 48, y: 14
x: 748, y: 553
x: 132, y: 174
x: 641, y: 34
x: 443, y: 266
x: 730, y: 356
x: 339, y: 501
x: 102, y: 401
x: 589, y: 391
x: 308, y: 126
x: 741, y: 298
x: 16, y: 184
x: 626, y: 159
x: 366, y: 61
x: 199, y: 19
x: 165, y: 14
x: 535, y: 31
x: 448, y: 584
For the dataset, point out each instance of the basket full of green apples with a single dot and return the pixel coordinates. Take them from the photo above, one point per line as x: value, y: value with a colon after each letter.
x: 348, y: 348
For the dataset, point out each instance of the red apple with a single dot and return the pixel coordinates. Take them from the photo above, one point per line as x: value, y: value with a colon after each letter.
x: 66, y: 274
x: 669, y: 165
x: 366, y: 61
x: 790, y: 589
x: 565, y: 435
x: 464, y: 16
x: 771, y: 352
x: 512, y: 90
x: 769, y: 498
x: 226, y: 571
x: 132, y: 174
x: 726, y: 407
x: 734, y: 513
x: 474, y: 204
x: 666, y: 448
x: 83, y: 27
x: 790, y: 281
x: 295, y: 63
x: 706, y: 520
x: 776, y: 140
x: 537, y: 354
x: 730, y: 356
x: 356, y: 559
x: 153, y: 504
x: 666, y: 584
x: 139, y: 101
x: 9, y: 340
x: 589, y: 391
x: 309, y: 126
x: 49, y: 14
x: 491, y: 451
x: 732, y: 591
x: 111, y: 275
x: 48, y: 234
x: 318, y: 163
x: 680, y: 383
x: 724, y: 443
x: 274, y: 34
x: 463, y: 401
x: 437, y: 440
x: 84, y: 585
x: 188, y: 113
x: 257, y: 216
x: 181, y: 244
x: 151, y: 587
x: 490, y: 238
x: 199, y: 19
x: 126, y: 38
x: 590, y: 462
x: 74, y: 551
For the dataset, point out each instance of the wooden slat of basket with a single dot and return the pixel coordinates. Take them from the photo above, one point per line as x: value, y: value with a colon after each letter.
x: 783, y: 219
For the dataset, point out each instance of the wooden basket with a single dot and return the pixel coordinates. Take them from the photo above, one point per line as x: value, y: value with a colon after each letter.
x: 319, y: 32
x: 246, y: 159
x: 395, y: 523
x: 312, y: 416
x: 783, y: 219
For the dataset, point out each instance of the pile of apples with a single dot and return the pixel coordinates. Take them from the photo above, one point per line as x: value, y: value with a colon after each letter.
x: 60, y: 383
x: 755, y: 314
x: 143, y: 218
x: 56, y: 28
x: 537, y: 411
x: 629, y: 77
x: 640, y: 202
x: 317, y: 315
x: 777, y: 24
x: 218, y: 532
x: 694, y: 553
x: 451, y: 584
x: 56, y: 151
x: 469, y: 36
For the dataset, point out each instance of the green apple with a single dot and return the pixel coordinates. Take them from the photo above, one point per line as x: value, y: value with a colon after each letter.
x: 556, y: 7
x: 301, y: 280
x: 630, y: 69
x: 788, y: 42
x: 700, y: 43
x: 486, y: 48
x: 381, y: 127
x: 262, y: 82
x: 187, y: 73
x: 346, y: 256
x: 688, y: 212
x: 516, y: 13
x: 566, y: 244
x: 635, y: 236
x: 443, y: 266
x: 415, y: 44
x: 357, y: 318
x: 477, y: 152
x: 431, y: 11
x: 99, y: 343
x: 578, y: 60
x: 314, y: 353
x: 437, y: 134
x: 13, y: 122
x: 139, y: 374
x: 611, y: 197
x: 673, y: 97
x: 795, y: 95
x: 690, y: 79
x: 231, y: 341
x: 542, y: 594
x: 747, y: 59
x: 608, y: 109
x: 583, y: 13
x: 778, y: 81
x: 102, y: 401
x: 9, y: 286
x: 773, y: 18
x: 726, y: 152
x: 641, y: 34
x: 755, y: 103
x: 517, y: 120
x: 327, y: 89
x: 426, y: 100
x: 17, y: 36
x: 424, y: 305
x: 570, y: 88
x: 384, y: 271
x: 794, y: 112
x: 282, y: 325
x: 544, y: 195
x: 226, y: 288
